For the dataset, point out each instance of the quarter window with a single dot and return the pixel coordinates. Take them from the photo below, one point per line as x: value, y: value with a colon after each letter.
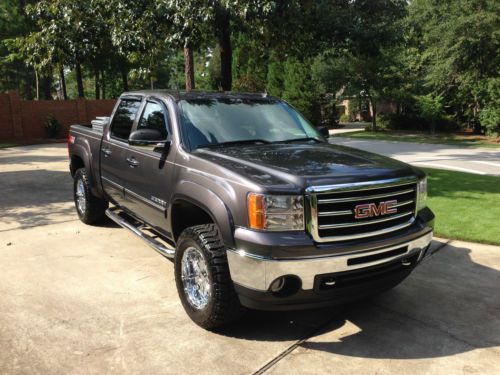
x: 124, y: 118
x: 153, y: 117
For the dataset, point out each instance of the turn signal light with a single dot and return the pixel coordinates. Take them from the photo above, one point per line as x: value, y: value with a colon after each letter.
x: 256, y: 212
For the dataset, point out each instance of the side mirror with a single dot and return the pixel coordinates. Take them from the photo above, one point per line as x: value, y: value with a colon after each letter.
x: 148, y: 138
x: 323, y: 130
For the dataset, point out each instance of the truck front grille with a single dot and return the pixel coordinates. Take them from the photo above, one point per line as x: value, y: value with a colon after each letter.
x: 334, y: 212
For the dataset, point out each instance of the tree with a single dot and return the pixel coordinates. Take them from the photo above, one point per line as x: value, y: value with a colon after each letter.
x: 431, y: 108
x: 299, y: 88
x: 459, y: 44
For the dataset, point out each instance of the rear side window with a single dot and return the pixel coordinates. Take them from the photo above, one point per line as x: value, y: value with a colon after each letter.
x: 124, y: 118
x: 153, y: 117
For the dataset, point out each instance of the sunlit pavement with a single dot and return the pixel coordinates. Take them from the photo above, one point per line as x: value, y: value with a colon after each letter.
x: 484, y: 161
x: 82, y: 299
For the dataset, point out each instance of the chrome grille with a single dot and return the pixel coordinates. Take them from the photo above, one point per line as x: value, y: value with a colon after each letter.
x: 333, y: 210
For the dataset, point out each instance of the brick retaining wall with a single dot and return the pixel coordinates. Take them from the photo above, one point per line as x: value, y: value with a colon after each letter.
x: 23, y: 119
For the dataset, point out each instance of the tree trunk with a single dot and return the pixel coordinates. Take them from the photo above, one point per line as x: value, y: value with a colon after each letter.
x: 63, y: 83
x: 125, y: 79
x: 223, y: 24
x: 97, y: 84
x: 103, y: 85
x: 37, y: 82
x: 79, y: 80
x: 189, y: 68
x: 46, y: 86
x: 374, y: 113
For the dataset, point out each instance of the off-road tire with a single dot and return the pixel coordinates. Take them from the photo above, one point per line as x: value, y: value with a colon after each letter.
x: 95, y: 208
x: 223, y: 306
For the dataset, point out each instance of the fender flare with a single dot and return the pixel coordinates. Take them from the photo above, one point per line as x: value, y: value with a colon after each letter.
x: 82, y: 152
x: 211, y: 203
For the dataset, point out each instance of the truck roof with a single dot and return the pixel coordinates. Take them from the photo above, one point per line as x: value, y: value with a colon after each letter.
x: 196, y: 94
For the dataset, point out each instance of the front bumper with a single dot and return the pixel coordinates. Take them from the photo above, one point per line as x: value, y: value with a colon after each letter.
x: 257, y: 273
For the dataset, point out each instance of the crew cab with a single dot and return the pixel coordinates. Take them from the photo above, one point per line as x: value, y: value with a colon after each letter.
x: 253, y: 204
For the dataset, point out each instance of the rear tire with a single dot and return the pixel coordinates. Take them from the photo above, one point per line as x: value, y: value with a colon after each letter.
x: 90, y: 209
x: 203, y: 280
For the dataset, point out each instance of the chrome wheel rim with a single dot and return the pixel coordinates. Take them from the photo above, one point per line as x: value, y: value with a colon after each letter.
x: 81, y: 201
x: 194, y: 274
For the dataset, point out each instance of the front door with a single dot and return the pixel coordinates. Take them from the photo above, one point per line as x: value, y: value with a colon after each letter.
x: 114, y: 168
x: 148, y: 187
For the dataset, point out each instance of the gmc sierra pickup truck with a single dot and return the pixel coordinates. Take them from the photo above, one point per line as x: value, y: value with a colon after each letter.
x: 251, y: 202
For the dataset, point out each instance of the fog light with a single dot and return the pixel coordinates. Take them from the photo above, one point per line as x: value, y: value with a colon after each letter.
x: 285, y: 286
x: 277, y: 284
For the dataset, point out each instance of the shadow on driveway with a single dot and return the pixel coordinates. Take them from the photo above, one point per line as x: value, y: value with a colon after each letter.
x: 449, y: 305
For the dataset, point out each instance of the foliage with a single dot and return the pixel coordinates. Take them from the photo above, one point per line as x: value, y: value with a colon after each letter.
x: 344, y: 118
x: 458, y: 51
x: 52, y: 126
x: 490, y: 114
x: 299, y: 88
x: 430, y: 108
x: 435, y: 61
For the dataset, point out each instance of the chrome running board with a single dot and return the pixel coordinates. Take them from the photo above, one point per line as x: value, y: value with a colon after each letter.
x: 123, y: 220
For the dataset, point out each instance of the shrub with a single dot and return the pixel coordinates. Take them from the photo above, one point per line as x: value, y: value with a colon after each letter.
x: 412, y: 121
x: 52, y: 126
x: 344, y: 118
x: 383, y: 121
x: 490, y: 119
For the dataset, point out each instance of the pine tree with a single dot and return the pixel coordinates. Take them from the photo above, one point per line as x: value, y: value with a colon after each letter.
x: 299, y: 88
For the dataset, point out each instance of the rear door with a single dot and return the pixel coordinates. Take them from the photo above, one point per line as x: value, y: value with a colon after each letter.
x: 148, y: 186
x: 114, y: 167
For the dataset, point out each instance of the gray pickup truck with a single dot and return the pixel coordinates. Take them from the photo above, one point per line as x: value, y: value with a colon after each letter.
x: 254, y: 206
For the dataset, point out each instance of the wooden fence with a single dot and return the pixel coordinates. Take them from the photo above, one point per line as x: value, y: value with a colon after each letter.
x: 24, y: 119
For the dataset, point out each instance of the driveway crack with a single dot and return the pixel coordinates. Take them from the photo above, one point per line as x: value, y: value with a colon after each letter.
x: 292, y: 347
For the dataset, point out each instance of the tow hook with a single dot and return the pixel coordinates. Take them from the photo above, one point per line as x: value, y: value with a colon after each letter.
x: 406, y: 262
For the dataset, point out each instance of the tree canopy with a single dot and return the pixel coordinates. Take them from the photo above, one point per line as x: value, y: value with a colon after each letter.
x: 435, y: 61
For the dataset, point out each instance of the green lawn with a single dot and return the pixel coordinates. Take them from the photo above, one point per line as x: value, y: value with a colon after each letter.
x: 467, y: 206
x: 5, y: 145
x: 463, y: 140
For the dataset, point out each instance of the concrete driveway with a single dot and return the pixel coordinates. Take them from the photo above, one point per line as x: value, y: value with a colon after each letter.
x: 484, y: 161
x: 77, y: 299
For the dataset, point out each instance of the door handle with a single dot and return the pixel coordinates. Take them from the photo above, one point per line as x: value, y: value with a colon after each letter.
x: 106, y: 152
x: 132, y: 162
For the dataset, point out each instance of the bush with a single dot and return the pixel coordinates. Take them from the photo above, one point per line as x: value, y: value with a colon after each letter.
x: 383, y: 121
x: 412, y: 121
x: 490, y: 119
x: 344, y: 118
x: 52, y: 127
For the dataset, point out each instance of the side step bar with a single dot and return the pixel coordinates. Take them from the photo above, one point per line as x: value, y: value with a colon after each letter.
x: 123, y: 220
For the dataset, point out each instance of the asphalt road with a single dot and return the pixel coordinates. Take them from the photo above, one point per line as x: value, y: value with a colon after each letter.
x: 77, y: 299
x: 484, y: 161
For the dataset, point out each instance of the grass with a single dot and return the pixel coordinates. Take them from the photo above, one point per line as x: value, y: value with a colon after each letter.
x: 416, y: 137
x: 6, y: 145
x: 467, y: 206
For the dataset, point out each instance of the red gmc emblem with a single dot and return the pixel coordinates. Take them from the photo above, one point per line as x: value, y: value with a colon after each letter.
x: 362, y: 211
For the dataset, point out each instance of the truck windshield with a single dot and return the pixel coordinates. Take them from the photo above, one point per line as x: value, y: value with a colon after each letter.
x: 211, y: 122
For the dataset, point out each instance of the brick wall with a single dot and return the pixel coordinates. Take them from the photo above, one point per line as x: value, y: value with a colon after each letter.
x: 23, y: 119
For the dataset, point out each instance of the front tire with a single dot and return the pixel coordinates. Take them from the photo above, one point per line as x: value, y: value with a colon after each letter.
x: 90, y: 209
x: 203, y: 280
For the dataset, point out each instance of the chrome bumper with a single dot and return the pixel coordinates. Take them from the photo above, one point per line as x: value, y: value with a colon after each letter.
x: 255, y: 272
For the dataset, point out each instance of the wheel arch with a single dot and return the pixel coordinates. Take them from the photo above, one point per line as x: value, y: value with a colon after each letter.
x: 196, y: 205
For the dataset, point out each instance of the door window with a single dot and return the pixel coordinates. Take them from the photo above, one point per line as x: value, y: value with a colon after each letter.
x: 124, y: 118
x: 153, y: 117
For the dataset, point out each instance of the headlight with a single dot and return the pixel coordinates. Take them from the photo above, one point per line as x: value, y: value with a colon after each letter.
x: 422, y: 194
x: 275, y: 212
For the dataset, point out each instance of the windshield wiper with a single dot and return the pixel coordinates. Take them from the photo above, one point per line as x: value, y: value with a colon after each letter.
x: 234, y: 143
x: 299, y: 140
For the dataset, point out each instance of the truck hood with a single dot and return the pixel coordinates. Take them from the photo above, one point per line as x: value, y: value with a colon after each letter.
x: 283, y: 165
